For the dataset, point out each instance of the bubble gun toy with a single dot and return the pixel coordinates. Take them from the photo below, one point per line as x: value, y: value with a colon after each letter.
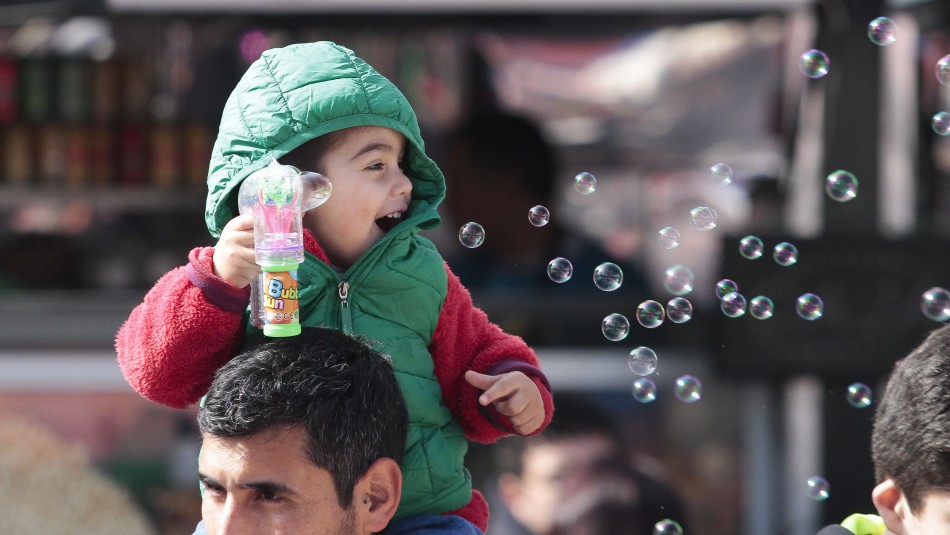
x: 277, y: 196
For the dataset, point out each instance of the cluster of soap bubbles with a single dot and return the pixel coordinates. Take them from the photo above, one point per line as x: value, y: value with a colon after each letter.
x: 940, y: 122
x: 642, y: 361
x: 814, y: 63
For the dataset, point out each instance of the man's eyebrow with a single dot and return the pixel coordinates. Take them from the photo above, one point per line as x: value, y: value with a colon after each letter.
x: 269, y: 487
x: 208, y: 481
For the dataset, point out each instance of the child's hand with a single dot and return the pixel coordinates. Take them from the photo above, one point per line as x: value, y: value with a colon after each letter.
x: 234, y: 253
x: 513, y: 395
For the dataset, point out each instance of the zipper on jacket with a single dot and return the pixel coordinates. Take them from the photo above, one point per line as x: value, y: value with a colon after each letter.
x: 343, y: 290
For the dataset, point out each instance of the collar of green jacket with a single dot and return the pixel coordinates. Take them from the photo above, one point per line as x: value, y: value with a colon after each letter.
x: 297, y: 93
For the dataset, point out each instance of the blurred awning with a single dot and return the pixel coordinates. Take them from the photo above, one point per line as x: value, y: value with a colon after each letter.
x: 450, y: 6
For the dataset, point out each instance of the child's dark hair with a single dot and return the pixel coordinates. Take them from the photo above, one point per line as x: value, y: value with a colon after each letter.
x: 910, y: 443
x: 342, y: 392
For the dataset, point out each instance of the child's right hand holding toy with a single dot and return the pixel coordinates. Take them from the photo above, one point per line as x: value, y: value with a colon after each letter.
x: 233, y: 258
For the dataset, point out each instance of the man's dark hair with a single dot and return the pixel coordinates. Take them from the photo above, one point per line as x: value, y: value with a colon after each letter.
x: 910, y: 442
x: 340, y: 390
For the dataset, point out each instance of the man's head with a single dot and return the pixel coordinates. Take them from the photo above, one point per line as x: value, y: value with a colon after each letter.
x: 910, y: 442
x: 302, y: 435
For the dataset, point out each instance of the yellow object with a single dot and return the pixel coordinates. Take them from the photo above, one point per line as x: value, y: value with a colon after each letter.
x: 865, y: 524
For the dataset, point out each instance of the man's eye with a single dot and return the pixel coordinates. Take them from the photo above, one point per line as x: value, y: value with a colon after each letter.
x: 270, y: 497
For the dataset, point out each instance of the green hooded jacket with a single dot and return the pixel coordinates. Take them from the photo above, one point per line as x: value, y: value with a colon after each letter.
x: 392, y: 295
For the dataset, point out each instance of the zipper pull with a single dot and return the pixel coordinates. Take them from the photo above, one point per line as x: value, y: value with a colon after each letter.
x: 343, y: 291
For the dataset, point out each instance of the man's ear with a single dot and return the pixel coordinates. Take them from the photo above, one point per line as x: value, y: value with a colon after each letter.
x: 891, y: 505
x: 376, y: 495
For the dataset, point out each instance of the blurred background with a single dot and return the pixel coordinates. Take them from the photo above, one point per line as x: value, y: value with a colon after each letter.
x: 108, y: 109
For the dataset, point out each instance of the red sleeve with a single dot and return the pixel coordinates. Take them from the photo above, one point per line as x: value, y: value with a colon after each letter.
x: 466, y: 340
x: 189, y: 324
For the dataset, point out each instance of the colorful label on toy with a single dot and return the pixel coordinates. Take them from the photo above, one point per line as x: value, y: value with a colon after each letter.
x: 280, y: 302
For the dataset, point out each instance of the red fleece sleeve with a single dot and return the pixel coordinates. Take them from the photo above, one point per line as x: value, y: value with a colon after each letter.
x: 466, y: 340
x: 188, y: 326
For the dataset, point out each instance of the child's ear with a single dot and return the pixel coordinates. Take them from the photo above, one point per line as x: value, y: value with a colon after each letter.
x: 377, y: 494
x: 891, y: 505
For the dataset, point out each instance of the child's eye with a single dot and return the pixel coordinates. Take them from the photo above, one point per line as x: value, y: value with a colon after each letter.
x: 378, y: 166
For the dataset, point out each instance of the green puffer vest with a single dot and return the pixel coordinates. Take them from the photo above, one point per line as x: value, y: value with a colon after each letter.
x: 393, y: 294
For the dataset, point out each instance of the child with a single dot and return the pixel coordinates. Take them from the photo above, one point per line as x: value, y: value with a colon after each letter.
x: 910, y: 445
x: 319, y: 107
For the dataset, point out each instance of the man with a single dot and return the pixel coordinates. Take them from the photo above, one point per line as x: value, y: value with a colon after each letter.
x: 303, y: 435
x: 910, y: 445
x: 577, y: 477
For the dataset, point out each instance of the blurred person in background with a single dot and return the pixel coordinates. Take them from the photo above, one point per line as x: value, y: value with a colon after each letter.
x: 578, y: 477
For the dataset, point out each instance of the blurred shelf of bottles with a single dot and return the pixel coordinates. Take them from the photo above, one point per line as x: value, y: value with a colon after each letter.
x: 99, y: 125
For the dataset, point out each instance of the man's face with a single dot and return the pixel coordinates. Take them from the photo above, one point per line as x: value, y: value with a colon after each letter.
x: 371, y: 193
x: 933, y: 518
x: 534, y: 496
x: 266, y: 485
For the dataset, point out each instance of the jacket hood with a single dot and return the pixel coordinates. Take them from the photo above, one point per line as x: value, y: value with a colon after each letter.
x: 296, y: 93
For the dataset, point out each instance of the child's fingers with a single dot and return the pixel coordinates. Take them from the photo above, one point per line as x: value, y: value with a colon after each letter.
x: 484, y: 382
x: 240, y: 223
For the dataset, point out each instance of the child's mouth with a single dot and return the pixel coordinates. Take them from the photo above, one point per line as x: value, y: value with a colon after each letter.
x: 387, y: 222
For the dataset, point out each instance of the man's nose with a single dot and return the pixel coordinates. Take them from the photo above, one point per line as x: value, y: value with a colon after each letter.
x: 232, y: 521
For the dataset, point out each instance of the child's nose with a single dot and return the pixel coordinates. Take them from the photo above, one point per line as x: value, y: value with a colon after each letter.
x: 403, y: 185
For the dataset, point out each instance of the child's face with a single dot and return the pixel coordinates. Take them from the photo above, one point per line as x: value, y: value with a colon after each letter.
x: 370, y: 193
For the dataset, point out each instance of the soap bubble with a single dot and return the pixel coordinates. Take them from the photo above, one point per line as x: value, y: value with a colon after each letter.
x: 644, y: 390
x: 859, y: 395
x: 560, y: 270
x: 703, y: 218
x: 678, y: 280
x: 785, y: 254
x: 722, y: 174
x: 814, y: 63
x: 725, y: 286
x: 935, y: 304
x: 733, y: 304
x: 761, y: 307
x: 667, y: 527
x: 688, y: 389
x: 943, y: 70
x: 608, y: 276
x: 882, y: 31
x: 471, y: 235
x: 615, y: 327
x: 818, y: 488
x: 539, y: 216
x: 941, y: 123
x: 668, y: 237
x: 585, y: 183
x: 642, y: 361
x: 650, y: 314
x: 751, y: 247
x: 841, y: 185
x: 316, y: 190
x: 810, y: 306
x: 679, y: 310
